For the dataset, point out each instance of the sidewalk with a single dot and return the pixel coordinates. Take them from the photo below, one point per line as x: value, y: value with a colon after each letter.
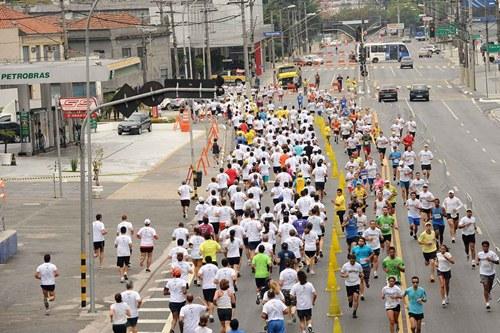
x: 125, y: 156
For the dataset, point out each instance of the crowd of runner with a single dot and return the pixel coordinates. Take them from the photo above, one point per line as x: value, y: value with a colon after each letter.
x: 265, y: 209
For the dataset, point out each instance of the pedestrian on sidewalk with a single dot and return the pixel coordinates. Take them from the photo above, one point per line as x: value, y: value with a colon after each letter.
x: 134, y: 301
x: 99, y: 230
x: 123, y: 245
x: 147, y: 235
x: 47, y: 273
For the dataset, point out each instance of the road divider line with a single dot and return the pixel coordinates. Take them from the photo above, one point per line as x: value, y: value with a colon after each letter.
x: 410, y: 108
x: 450, y: 110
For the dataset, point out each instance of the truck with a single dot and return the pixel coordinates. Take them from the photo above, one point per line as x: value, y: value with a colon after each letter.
x: 289, y: 73
x: 420, y: 33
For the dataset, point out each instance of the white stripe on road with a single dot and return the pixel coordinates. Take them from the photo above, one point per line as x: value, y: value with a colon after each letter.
x: 484, y: 150
x: 392, y: 70
x: 467, y: 131
x: 462, y: 124
x: 479, y: 231
x: 152, y: 321
x: 455, y: 188
x: 155, y: 289
x: 411, y: 109
x: 419, y: 72
x: 493, y: 161
x: 450, y: 110
x: 476, y: 140
x: 157, y: 299
x: 154, y: 310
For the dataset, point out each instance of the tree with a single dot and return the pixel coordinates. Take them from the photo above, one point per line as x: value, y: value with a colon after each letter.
x: 7, y: 136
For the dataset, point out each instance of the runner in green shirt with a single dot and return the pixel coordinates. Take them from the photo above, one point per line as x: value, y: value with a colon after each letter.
x: 386, y: 224
x: 261, y: 265
x: 393, y: 266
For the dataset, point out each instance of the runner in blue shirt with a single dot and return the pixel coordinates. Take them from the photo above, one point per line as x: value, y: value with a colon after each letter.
x: 416, y: 299
x: 364, y: 254
x: 234, y: 324
x: 395, y: 157
x: 351, y: 229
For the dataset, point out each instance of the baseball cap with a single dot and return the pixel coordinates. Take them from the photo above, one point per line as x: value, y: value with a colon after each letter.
x: 176, y: 272
x: 426, y: 185
x: 147, y: 221
x: 451, y: 192
x: 201, y: 199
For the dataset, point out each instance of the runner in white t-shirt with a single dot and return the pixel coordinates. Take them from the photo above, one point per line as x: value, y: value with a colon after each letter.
x: 392, y: 295
x: 134, y: 301
x: 487, y: 261
x: 123, y: 245
x: 47, y: 273
x: 352, y: 271
x: 190, y: 314
x: 184, y: 192
x: 373, y: 236
x: 147, y: 235
x: 305, y: 295
x: 99, y: 230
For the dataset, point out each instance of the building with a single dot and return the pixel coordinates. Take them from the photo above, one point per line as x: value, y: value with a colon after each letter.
x: 121, y: 36
x: 27, y: 39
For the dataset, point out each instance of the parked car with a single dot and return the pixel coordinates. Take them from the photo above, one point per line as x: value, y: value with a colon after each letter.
x: 433, y: 48
x: 313, y: 59
x: 406, y: 39
x: 301, y: 61
x: 387, y: 92
x: 136, y: 123
x: 406, y: 62
x: 170, y: 104
x: 7, y: 124
x: 419, y: 91
x: 424, y: 53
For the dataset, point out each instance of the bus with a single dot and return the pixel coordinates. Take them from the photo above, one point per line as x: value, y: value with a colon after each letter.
x: 420, y: 33
x: 390, y: 51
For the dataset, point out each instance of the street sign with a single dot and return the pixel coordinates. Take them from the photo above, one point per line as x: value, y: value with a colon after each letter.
x: 272, y: 34
x: 93, y: 123
x: 76, y: 107
x: 493, y: 48
x: 427, y: 18
x: 182, y: 83
x: 351, y: 22
x: 126, y: 109
x: 395, y: 26
x: 475, y: 37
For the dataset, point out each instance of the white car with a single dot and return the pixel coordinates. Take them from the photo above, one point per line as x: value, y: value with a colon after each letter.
x: 433, y: 48
x: 314, y: 59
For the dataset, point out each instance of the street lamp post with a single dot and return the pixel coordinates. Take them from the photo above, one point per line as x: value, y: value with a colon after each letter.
x: 86, y: 126
x: 290, y: 31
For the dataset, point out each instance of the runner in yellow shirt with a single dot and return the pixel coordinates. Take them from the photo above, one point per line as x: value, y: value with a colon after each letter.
x: 428, y: 242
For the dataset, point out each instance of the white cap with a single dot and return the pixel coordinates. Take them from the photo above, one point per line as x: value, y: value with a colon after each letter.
x: 201, y: 199
x: 451, y: 192
x: 147, y: 221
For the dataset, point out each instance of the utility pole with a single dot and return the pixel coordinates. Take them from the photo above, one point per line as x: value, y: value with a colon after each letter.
x: 245, y: 48
x: 282, y: 38
x: 273, y: 55
x: 487, y: 59
x: 207, y: 42
x: 472, y: 50
x: 307, y: 30
x: 65, y: 30
x: 399, y: 19
x: 252, y: 33
x: 174, y: 38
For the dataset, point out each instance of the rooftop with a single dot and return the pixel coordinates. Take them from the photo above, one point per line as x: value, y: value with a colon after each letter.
x: 10, y: 18
x: 105, y: 21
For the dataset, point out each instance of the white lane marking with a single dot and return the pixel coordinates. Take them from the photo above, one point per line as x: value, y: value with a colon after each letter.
x: 375, y: 67
x: 450, y: 110
x: 439, y: 68
x: 419, y: 72
x: 392, y: 70
x: 155, y: 289
x: 479, y: 231
x: 157, y: 299
x: 462, y: 124
x: 439, y: 86
x: 476, y: 140
x: 447, y: 173
x: 455, y: 188
x: 440, y: 161
x: 467, y: 131
x: 493, y: 161
x: 161, y: 280
x: 409, y: 107
x: 484, y: 150
x: 382, y: 67
x: 152, y: 321
x: 154, y: 310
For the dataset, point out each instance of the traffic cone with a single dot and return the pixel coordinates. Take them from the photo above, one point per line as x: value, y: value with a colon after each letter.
x: 334, y: 309
x: 336, y: 326
x: 331, y: 283
x: 342, y: 182
x: 337, y: 228
x: 335, y: 247
x: 332, y: 261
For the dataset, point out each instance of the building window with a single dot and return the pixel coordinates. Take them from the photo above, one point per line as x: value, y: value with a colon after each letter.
x: 26, y: 53
x: 100, y: 53
x: 163, y: 73
x: 126, y: 52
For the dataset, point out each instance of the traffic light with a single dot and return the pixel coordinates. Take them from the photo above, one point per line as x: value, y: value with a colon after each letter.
x: 362, y: 55
x: 432, y: 30
x: 219, y: 82
x: 363, y: 70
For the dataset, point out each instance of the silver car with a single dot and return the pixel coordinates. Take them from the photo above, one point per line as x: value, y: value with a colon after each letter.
x: 406, y: 62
